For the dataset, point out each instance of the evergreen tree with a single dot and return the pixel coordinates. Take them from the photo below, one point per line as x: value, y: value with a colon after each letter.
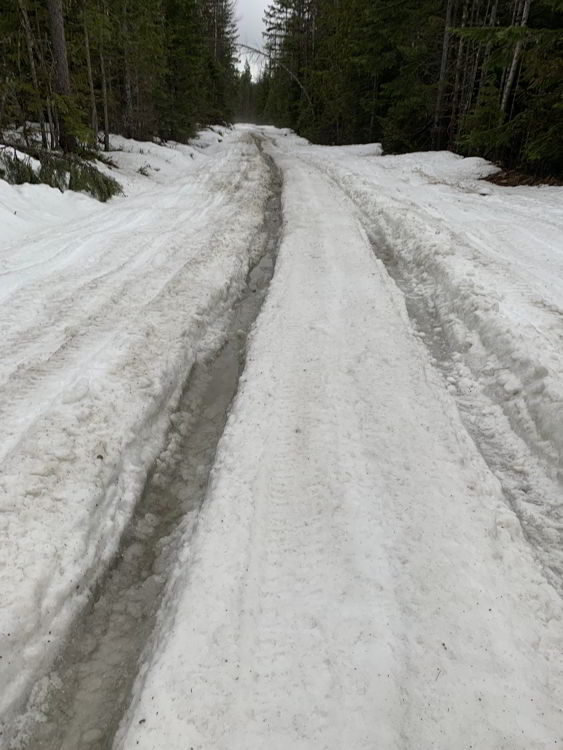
x: 469, y: 75
x: 143, y: 68
x: 246, y: 100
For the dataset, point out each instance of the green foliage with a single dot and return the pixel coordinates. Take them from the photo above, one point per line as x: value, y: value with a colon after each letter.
x: 16, y: 170
x: 387, y: 70
x: 61, y: 172
x: 54, y: 172
x: 158, y: 68
x: 246, y: 96
x: 86, y: 178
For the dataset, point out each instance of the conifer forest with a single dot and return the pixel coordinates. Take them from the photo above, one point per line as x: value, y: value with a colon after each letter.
x: 141, y: 68
x: 475, y: 76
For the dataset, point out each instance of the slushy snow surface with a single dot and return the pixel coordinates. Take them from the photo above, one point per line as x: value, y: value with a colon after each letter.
x: 378, y: 562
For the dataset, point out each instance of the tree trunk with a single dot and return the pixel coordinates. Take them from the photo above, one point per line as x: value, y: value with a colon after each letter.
x: 93, y: 108
x: 515, y: 60
x: 436, y: 131
x: 57, y: 129
x: 41, y: 44
x: 472, y: 83
x: 373, y: 110
x: 215, y: 31
x: 470, y: 63
x: 487, y: 54
x: 457, y: 82
x: 67, y: 140
x: 51, y: 122
x: 128, y: 122
x: 516, y: 12
x: 2, y: 108
x: 104, y: 100
x: 128, y: 100
x: 33, y: 69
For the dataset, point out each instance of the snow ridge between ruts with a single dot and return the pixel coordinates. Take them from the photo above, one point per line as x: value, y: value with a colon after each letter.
x: 70, y: 483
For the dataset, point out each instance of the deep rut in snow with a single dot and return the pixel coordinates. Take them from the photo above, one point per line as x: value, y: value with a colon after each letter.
x: 80, y: 704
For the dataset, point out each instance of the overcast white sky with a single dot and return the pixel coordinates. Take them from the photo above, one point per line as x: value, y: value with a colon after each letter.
x: 249, y: 15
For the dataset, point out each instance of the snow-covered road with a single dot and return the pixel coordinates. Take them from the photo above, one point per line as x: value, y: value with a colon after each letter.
x: 377, y: 560
x: 357, y: 579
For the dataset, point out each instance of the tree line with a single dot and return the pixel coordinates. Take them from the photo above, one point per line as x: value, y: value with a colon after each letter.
x: 475, y: 76
x: 140, y: 68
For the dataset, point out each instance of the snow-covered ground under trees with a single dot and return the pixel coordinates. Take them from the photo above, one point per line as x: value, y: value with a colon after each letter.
x: 378, y: 561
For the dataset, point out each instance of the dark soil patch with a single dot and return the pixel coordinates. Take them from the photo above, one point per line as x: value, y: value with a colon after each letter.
x: 514, y: 178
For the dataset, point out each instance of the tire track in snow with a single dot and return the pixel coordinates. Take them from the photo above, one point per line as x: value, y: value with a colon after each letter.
x: 79, y: 705
x: 531, y: 485
x: 530, y: 477
x: 508, y: 436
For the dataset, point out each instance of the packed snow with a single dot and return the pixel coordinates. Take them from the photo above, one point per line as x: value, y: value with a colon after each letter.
x: 378, y: 561
x: 486, y: 263
x: 357, y: 577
